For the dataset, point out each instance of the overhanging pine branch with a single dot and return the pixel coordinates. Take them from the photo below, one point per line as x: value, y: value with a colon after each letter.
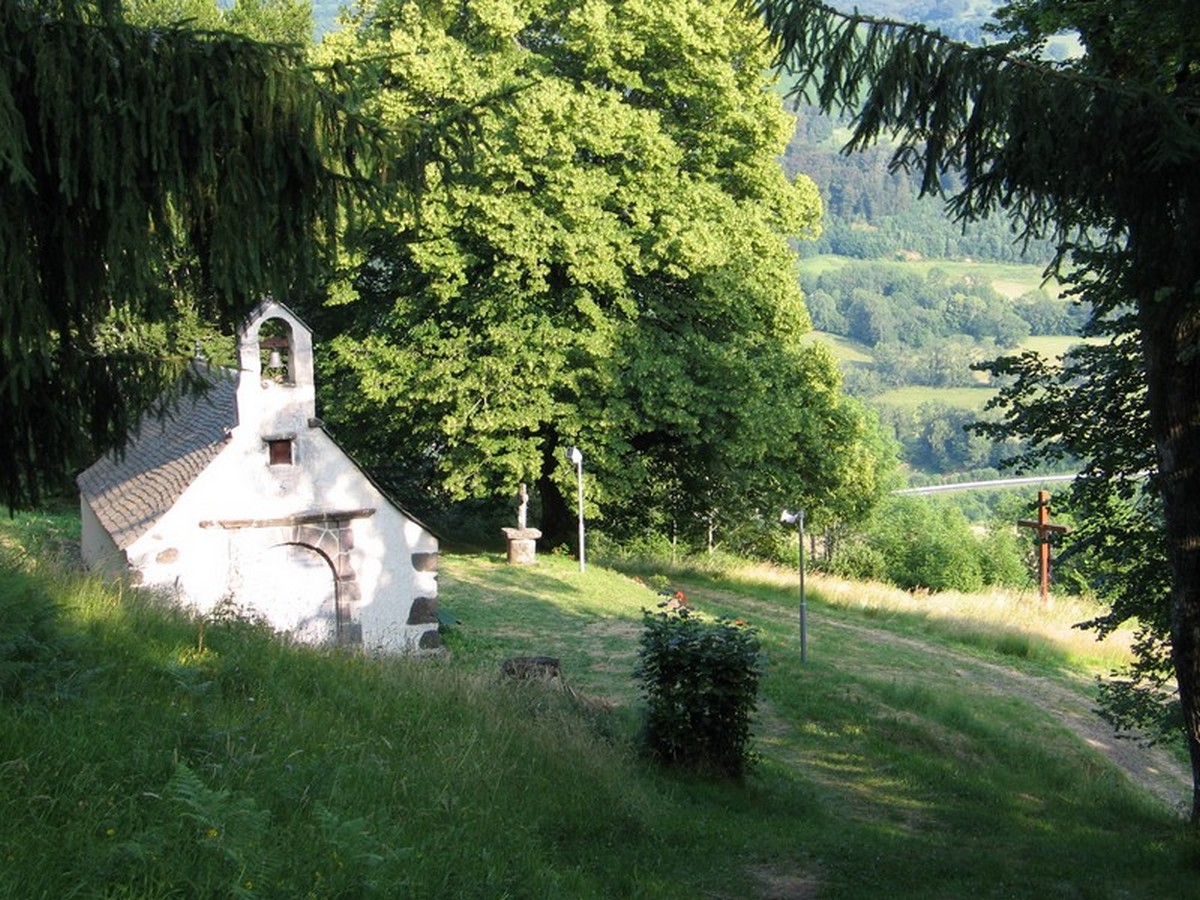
x: 998, y: 117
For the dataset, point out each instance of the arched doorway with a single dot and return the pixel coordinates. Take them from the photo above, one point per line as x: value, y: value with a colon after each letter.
x: 293, y: 587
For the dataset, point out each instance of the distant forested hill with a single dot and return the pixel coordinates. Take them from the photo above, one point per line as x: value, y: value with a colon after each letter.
x: 962, y: 19
x: 872, y: 212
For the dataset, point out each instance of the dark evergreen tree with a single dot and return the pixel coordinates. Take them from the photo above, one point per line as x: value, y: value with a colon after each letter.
x: 124, y: 150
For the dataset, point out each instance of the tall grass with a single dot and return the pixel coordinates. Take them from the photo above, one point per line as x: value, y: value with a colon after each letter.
x: 1010, y: 622
x: 253, y: 768
x: 1004, y: 621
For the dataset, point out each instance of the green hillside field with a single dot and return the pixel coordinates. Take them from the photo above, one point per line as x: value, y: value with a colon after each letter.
x: 1009, y: 279
x: 914, y: 396
x: 853, y: 353
x: 930, y: 747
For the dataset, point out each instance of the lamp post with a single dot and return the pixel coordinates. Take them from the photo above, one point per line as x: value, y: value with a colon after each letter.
x: 576, y: 456
x: 797, y: 519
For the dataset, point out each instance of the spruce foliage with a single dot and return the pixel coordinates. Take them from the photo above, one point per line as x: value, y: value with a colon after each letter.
x: 135, y: 162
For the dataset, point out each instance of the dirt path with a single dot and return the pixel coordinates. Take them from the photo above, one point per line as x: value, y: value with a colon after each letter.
x: 1069, y: 702
x: 1152, y: 768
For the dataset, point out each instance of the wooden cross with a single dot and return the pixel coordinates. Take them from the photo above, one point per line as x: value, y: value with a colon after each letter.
x: 1044, y: 531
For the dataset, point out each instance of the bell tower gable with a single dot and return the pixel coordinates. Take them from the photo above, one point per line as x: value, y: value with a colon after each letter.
x: 276, y: 393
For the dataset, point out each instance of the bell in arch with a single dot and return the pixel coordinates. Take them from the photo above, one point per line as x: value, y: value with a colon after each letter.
x: 275, y: 343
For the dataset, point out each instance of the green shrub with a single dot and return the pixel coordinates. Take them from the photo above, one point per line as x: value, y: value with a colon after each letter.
x: 859, y: 560
x: 926, y: 545
x: 940, y: 561
x: 760, y: 538
x: 646, y: 546
x: 700, y: 683
x: 1001, y: 558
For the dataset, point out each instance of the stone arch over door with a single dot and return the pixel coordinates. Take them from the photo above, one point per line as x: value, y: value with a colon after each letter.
x: 293, y: 586
x: 330, y: 536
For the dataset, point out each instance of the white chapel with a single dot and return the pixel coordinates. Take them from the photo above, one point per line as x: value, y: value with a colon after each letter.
x: 240, y: 496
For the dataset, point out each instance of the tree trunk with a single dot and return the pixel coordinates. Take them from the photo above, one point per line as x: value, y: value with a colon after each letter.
x: 558, y: 525
x: 1178, y: 434
x: 1171, y: 344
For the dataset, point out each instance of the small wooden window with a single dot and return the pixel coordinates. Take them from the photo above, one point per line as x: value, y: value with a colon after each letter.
x: 279, y: 451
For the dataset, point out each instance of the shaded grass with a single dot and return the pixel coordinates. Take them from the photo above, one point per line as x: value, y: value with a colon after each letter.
x: 590, y: 620
x: 255, y: 768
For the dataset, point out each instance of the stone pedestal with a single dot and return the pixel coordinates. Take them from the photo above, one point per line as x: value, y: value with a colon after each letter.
x: 522, y: 545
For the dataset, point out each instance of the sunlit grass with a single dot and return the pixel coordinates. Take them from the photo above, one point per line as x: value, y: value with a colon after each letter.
x: 1013, y: 623
x: 1053, y: 346
x: 911, y: 397
x: 846, y: 350
x: 1010, y: 279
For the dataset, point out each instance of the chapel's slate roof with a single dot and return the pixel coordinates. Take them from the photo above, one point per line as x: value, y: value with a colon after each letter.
x: 130, y: 491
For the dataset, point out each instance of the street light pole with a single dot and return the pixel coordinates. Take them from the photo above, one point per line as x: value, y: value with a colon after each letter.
x: 797, y: 519
x: 576, y: 456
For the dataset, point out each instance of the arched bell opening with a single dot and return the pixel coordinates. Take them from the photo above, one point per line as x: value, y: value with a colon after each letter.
x: 275, y: 352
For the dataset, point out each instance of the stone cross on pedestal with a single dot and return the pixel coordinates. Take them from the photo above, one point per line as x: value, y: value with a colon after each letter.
x: 522, y: 540
x: 1044, y: 531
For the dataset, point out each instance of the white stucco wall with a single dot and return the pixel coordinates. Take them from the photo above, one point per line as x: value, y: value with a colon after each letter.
x: 96, y: 546
x: 200, y: 561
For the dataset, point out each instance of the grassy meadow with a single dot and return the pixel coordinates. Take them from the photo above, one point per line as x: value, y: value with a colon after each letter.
x: 912, y: 396
x: 918, y: 753
x: 848, y: 350
x: 1010, y: 279
x: 852, y: 353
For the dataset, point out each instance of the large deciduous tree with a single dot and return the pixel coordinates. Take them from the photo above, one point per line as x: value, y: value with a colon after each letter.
x: 1102, y: 153
x: 277, y: 21
x: 124, y: 150
x: 612, y: 272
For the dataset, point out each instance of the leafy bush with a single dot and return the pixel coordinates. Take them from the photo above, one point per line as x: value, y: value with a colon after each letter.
x: 1002, y: 559
x: 914, y: 543
x: 700, y: 683
x: 926, y: 545
x: 761, y: 539
x: 857, y: 559
x: 645, y: 545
